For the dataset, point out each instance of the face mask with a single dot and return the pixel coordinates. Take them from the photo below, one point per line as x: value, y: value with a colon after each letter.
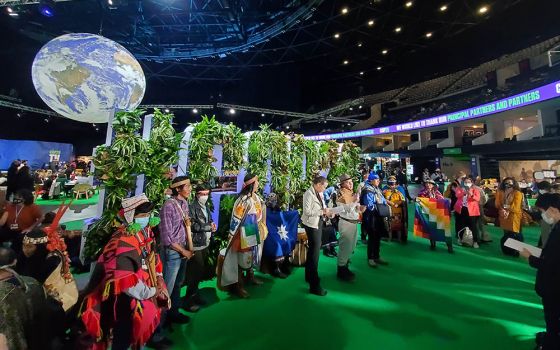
x: 508, y: 185
x: 542, y: 191
x: 547, y: 218
x: 468, y: 184
x: 203, y: 199
x: 143, y: 222
x: 17, y: 201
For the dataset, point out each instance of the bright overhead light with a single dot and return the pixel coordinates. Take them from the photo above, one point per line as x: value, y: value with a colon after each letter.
x: 359, y: 44
x: 287, y: 127
x: 483, y: 10
x: 351, y: 108
x: 110, y: 2
x: 9, y: 9
x: 231, y: 111
x: 336, y: 36
x: 195, y: 111
x: 429, y: 35
x: 378, y: 67
x: 360, y: 107
x: 344, y: 10
x: 361, y: 73
x: 398, y: 30
x: 13, y: 14
x: 385, y: 51
x: 520, y: 118
x: 370, y: 22
x: 408, y: 4
x: 443, y: 8
x: 345, y: 62
x: 167, y: 110
x: 262, y: 114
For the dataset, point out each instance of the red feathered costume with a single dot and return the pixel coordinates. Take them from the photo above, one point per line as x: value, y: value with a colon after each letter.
x: 124, y: 261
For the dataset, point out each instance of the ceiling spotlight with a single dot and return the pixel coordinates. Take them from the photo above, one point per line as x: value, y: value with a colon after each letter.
x: 429, y: 35
x: 9, y: 9
x: 483, y: 10
x: 408, y: 4
x: 360, y: 107
x: 520, y: 118
x: 166, y: 110
x: 344, y: 10
x: 46, y: 8
x: 287, y: 127
x: 262, y: 114
x: 398, y: 30
x: 378, y: 67
x: 18, y: 114
x: 195, y: 111
x: 336, y: 36
x: 110, y: 2
x: 351, y: 108
x: 443, y: 8
x: 370, y: 22
x: 359, y: 44
x: 231, y: 111
x: 385, y: 51
x: 361, y: 73
x: 345, y: 62
x: 349, y: 124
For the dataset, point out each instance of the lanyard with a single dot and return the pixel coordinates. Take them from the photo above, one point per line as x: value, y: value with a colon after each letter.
x: 17, y: 213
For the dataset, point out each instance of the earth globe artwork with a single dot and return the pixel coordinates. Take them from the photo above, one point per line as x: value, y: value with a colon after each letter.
x: 86, y: 77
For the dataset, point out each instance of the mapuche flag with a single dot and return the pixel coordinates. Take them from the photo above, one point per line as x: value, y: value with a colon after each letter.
x: 282, y: 233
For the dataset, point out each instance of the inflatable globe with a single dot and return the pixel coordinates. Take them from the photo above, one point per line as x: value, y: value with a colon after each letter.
x: 86, y: 77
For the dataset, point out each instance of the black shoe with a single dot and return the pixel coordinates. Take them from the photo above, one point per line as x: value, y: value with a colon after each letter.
x: 286, y: 268
x: 191, y: 307
x: 381, y: 262
x: 344, y: 274
x: 179, y: 319
x: 318, y: 291
x: 278, y: 273
x: 197, y: 299
x: 333, y: 251
x: 327, y: 253
x: 162, y: 344
x: 450, y: 249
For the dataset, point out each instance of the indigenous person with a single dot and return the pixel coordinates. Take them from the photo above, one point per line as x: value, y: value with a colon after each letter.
x: 247, y: 231
x: 175, y: 249
x: 508, y: 201
x: 430, y: 191
x: 202, y: 228
x: 131, y: 290
x: 373, y: 221
x: 281, y: 266
x: 23, y: 311
x: 547, y: 284
x: 467, y: 208
x: 314, y: 214
x: 395, y: 198
x: 20, y: 217
x: 347, y: 226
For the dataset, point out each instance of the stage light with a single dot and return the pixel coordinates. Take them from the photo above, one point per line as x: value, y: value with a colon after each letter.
x: 361, y: 73
x: 408, y: 4
x: 344, y: 10
x: 443, y: 8
x: 378, y: 67
x: 110, y: 2
x: 483, y: 10
x: 349, y: 124
x: 345, y: 62
x: 262, y: 114
x: 287, y: 127
x: 398, y: 30
x: 9, y: 9
x: 359, y: 44
x: 351, y: 108
x: 371, y: 22
x: 360, y: 107
x: 231, y: 111
x: 428, y: 35
x: 166, y: 110
x: 46, y: 8
x: 195, y: 111
x: 336, y: 36
x: 385, y: 51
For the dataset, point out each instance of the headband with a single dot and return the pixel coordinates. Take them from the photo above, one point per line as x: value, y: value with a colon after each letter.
x: 38, y: 240
x: 180, y: 183
x: 250, y: 181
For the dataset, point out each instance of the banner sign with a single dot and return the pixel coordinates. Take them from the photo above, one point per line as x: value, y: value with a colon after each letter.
x: 530, y: 97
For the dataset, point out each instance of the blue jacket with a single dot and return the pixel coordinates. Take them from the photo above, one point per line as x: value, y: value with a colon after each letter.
x: 368, y: 199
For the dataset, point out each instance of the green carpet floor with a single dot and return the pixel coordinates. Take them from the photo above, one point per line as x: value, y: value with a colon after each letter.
x: 471, y: 300
x: 82, y: 201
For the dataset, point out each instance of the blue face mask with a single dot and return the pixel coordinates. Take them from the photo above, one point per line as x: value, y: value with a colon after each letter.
x: 143, y: 222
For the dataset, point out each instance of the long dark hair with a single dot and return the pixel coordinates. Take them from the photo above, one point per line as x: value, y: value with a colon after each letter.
x: 26, y: 195
x: 245, y: 191
x: 503, y: 184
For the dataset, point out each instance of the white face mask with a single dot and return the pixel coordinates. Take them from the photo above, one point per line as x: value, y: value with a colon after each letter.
x: 542, y: 191
x: 546, y: 218
x: 468, y: 184
x: 203, y: 199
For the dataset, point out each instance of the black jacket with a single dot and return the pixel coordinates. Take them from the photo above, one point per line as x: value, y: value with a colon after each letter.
x: 199, y: 224
x: 548, y: 266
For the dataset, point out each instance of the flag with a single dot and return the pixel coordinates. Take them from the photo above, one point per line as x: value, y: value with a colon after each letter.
x: 432, y: 219
x: 282, y: 233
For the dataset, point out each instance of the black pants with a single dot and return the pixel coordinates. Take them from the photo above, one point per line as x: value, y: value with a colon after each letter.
x: 314, y: 236
x: 195, y: 271
x: 551, y: 306
x: 513, y: 235
x: 375, y: 229
x: 465, y: 220
x: 122, y: 330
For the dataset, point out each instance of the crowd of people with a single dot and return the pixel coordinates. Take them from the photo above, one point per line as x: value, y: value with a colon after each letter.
x: 133, y: 296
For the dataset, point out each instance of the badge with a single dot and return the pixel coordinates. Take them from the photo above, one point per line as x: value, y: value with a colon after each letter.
x: 144, y: 265
x: 14, y: 227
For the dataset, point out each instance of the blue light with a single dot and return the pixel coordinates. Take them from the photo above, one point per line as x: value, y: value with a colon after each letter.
x: 46, y: 10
